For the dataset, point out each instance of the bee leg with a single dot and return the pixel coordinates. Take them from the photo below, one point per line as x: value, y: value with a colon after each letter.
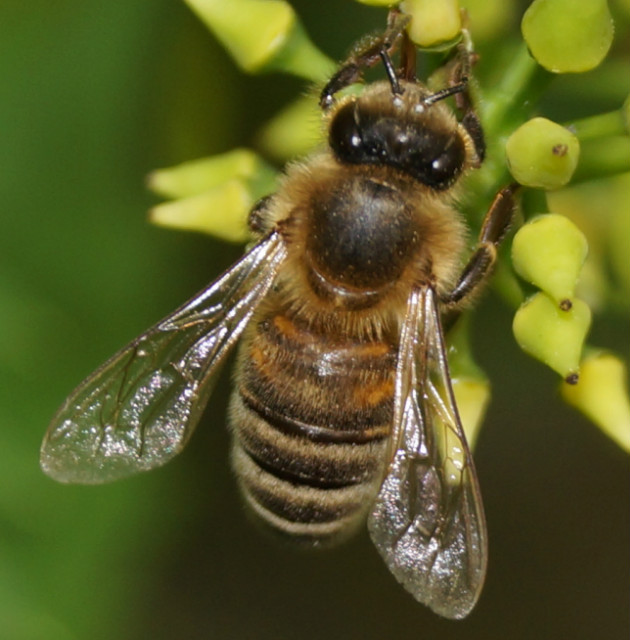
x: 258, y: 220
x: 348, y: 74
x: 464, y: 60
x: 367, y: 54
x: 467, y: 57
x: 459, y: 73
x: 470, y: 120
x: 472, y: 124
x: 495, y: 225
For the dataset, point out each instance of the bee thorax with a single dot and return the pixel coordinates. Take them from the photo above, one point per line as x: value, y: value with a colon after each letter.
x: 361, y: 237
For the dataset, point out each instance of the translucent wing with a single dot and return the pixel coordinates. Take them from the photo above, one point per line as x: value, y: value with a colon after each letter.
x: 427, y: 521
x: 139, y: 409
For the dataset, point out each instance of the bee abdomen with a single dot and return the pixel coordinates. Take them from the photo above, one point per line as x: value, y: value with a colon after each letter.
x: 300, y: 510
x: 311, y: 419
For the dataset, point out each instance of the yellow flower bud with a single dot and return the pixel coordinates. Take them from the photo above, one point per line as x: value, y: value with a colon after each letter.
x: 378, y: 3
x: 294, y: 131
x: 263, y: 35
x: 602, y: 395
x: 553, y: 335
x: 433, y: 21
x: 549, y: 251
x: 472, y: 396
x: 568, y: 36
x: 196, y: 176
x: 625, y: 113
x: 212, y: 195
x: 489, y: 18
x: 221, y: 211
x: 542, y: 154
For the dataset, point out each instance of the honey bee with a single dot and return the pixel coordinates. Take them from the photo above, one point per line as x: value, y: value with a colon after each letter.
x: 343, y: 409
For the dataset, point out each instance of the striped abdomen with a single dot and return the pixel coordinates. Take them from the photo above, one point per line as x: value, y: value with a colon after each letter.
x: 311, y: 414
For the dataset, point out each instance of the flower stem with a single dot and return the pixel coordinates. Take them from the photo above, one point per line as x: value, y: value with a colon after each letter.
x: 603, y: 156
x: 516, y: 95
x: 599, y: 126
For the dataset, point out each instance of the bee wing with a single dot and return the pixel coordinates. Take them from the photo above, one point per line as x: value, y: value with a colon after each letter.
x: 139, y: 409
x: 428, y: 521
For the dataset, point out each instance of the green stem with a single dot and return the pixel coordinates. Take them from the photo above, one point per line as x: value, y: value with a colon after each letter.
x: 604, y: 124
x: 601, y: 157
x: 534, y: 202
x: 517, y: 93
x: 302, y: 58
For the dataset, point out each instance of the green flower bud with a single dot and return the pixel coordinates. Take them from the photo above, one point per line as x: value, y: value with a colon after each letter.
x: 263, y: 35
x: 568, y: 36
x: 196, y: 176
x: 294, y: 131
x: 554, y: 336
x: 618, y: 231
x: 600, y: 209
x: 433, y: 21
x: 470, y: 384
x: 472, y: 396
x: 542, y: 154
x: 213, y: 195
x: 625, y: 113
x: 221, y: 212
x: 489, y: 18
x: 378, y: 3
x: 602, y: 395
x: 549, y: 252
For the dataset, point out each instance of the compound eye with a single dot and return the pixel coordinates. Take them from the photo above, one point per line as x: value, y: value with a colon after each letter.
x: 360, y: 135
x: 447, y: 165
x: 344, y: 134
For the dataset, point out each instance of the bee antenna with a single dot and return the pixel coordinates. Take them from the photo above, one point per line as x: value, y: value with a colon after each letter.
x: 391, y: 72
x: 460, y: 87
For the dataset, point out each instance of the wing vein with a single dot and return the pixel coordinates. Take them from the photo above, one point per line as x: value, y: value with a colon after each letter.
x: 427, y: 521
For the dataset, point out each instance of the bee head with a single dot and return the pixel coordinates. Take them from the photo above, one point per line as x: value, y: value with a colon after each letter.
x: 421, y: 139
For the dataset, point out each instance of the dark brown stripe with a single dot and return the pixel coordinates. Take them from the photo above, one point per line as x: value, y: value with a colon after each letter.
x: 297, y: 479
x: 296, y: 377
x: 310, y: 342
x: 305, y: 533
x: 297, y: 502
x: 314, y: 433
x: 311, y: 417
x: 314, y: 463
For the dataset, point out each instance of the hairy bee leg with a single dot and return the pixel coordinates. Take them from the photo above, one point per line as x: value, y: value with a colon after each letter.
x: 459, y: 73
x: 348, y: 74
x: 464, y: 61
x: 470, y: 120
x: 368, y: 53
x: 258, y: 220
x: 472, y: 124
x: 495, y: 225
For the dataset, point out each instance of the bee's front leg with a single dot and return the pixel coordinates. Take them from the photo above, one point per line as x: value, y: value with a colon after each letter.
x: 368, y: 52
x: 459, y: 73
x: 259, y: 219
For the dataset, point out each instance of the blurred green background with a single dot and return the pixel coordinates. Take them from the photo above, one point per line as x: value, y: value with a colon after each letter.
x: 93, y: 96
